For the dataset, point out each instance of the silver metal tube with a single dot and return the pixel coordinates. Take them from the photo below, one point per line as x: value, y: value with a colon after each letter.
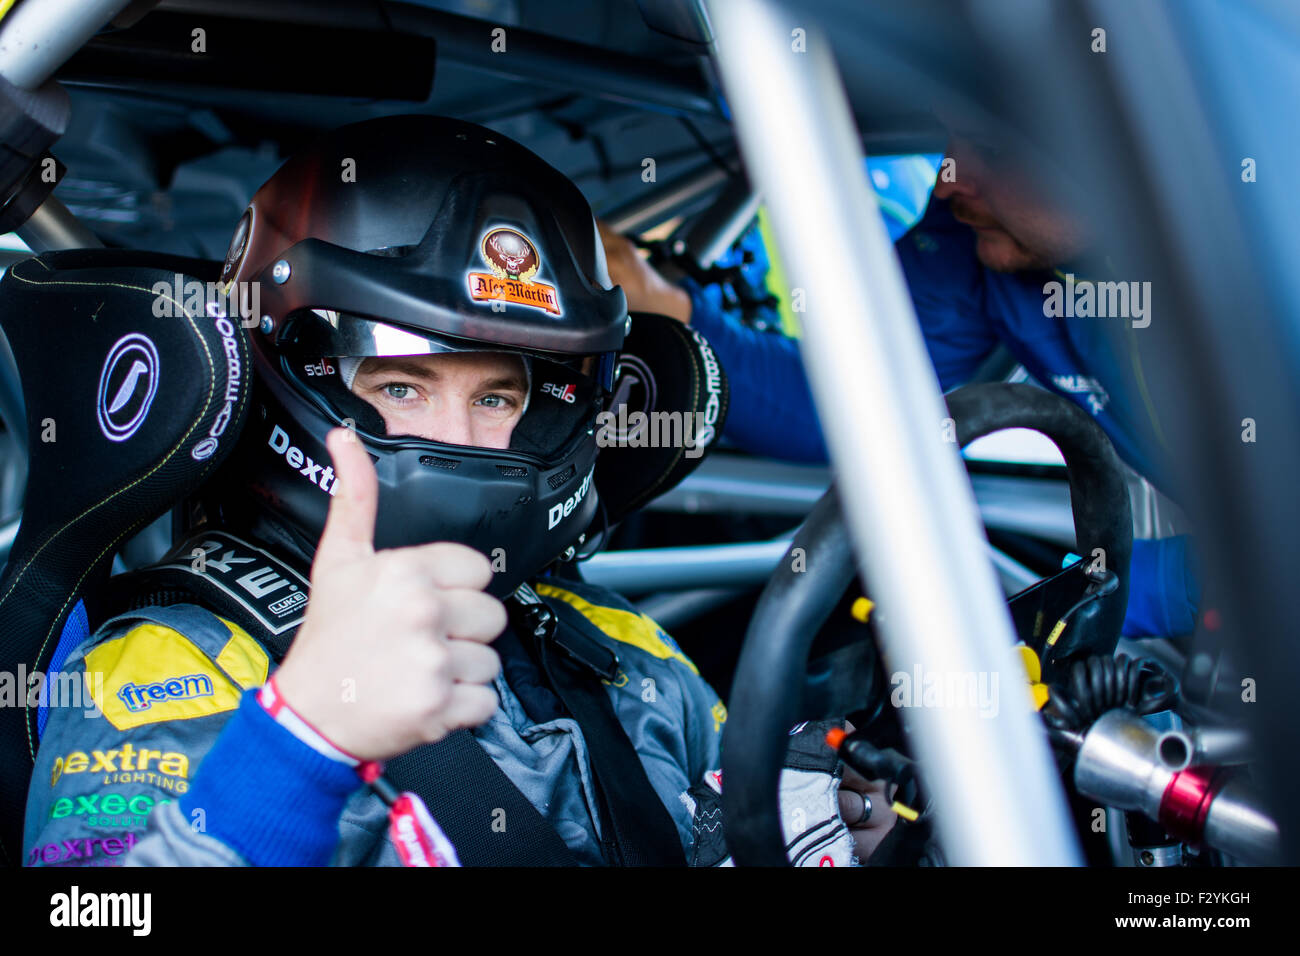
x: 1236, y: 825
x: 664, y: 203
x: 1221, y: 745
x: 729, y: 483
x: 53, y: 226
x: 730, y: 566
x: 909, y: 506
x: 38, y: 38
x: 712, y: 235
x: 1013, y: 575
x: 671, y: 610
x: 1119, y: 764
x: 675, y: 569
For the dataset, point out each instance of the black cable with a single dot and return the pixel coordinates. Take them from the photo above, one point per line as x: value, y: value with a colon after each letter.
x: 1100, y: 683
x: 602, y: 537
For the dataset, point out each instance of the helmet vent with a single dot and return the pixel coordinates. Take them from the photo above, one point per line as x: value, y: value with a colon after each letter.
x: 556, y: 480
x: 512, y: 471
x: 446, y: 464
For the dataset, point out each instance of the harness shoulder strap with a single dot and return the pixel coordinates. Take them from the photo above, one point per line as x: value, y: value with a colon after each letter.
x: 462, y: 787
x: 637, y: 828
x: 259, y: 591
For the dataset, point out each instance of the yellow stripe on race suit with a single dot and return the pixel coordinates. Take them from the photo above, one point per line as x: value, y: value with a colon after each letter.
x: 624, y: 626
x: 153, y: 673
x: 243, y: 658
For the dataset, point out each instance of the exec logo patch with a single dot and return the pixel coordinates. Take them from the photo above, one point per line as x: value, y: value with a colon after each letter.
x: 111, y: 809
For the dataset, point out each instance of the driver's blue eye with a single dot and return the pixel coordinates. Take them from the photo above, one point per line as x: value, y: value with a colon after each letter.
x: 397, y: 390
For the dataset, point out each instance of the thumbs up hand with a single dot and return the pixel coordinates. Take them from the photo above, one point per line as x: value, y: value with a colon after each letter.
x: 409, y: 627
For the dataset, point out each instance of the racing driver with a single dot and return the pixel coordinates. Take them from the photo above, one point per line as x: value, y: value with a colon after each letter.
x: 441, y: 329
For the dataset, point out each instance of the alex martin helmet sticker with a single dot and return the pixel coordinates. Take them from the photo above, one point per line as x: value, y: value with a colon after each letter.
x: 514, y: 260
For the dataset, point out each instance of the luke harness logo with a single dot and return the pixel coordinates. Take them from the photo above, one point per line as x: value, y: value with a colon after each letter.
x: 269, y: 589
x: 139, y: 697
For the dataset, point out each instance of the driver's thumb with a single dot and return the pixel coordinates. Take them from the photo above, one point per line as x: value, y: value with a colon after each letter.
x: 350, y: 528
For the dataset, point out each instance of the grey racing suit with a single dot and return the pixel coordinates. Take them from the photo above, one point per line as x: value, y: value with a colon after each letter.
x: 123, y: 779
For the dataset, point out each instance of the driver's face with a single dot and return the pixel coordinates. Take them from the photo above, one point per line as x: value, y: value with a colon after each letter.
x: 464, y: 398
x: 1016, y: 228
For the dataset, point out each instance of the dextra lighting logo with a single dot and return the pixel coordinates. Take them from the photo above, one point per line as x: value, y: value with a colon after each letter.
x: 138, y: 697
x: 514, y: 261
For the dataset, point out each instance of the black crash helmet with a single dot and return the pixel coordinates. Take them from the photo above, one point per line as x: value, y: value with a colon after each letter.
x: 415, y: 235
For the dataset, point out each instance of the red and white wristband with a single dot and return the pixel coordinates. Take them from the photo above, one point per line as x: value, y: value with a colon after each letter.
x: 416, y: 836
x: 273, y: 703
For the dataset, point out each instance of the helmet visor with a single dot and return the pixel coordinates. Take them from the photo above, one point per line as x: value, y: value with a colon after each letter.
x: 395, y: 382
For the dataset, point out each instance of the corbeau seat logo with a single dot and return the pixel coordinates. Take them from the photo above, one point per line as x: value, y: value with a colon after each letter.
x: 127, y: 385
x: 514, y: 261
x: 234, y: 373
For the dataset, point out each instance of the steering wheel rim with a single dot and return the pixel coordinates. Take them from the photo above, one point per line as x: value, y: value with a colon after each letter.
x: 796, y: 603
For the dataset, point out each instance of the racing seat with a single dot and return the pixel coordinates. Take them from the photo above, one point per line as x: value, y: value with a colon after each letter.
x: 144, y: 348
x: 134, y: 396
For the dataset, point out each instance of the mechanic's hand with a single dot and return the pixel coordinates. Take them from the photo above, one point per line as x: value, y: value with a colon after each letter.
x: 646, y: 289
x: 393, y: 652
x: 869, y: 833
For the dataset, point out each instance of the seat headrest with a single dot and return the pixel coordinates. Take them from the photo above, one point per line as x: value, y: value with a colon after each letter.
x: 670, y: 402
x: 136, y: 390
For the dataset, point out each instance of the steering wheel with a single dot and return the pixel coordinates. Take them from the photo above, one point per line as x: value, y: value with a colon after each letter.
x: 768, y: 694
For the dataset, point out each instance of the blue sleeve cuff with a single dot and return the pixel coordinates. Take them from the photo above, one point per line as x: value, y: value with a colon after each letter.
x: 704, y: 314
x: 771, y: 411
x: 267, y: 795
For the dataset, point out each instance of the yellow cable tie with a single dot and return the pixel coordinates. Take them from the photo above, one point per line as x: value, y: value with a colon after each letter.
x: 1056, y: 633
x: 904, y: 811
